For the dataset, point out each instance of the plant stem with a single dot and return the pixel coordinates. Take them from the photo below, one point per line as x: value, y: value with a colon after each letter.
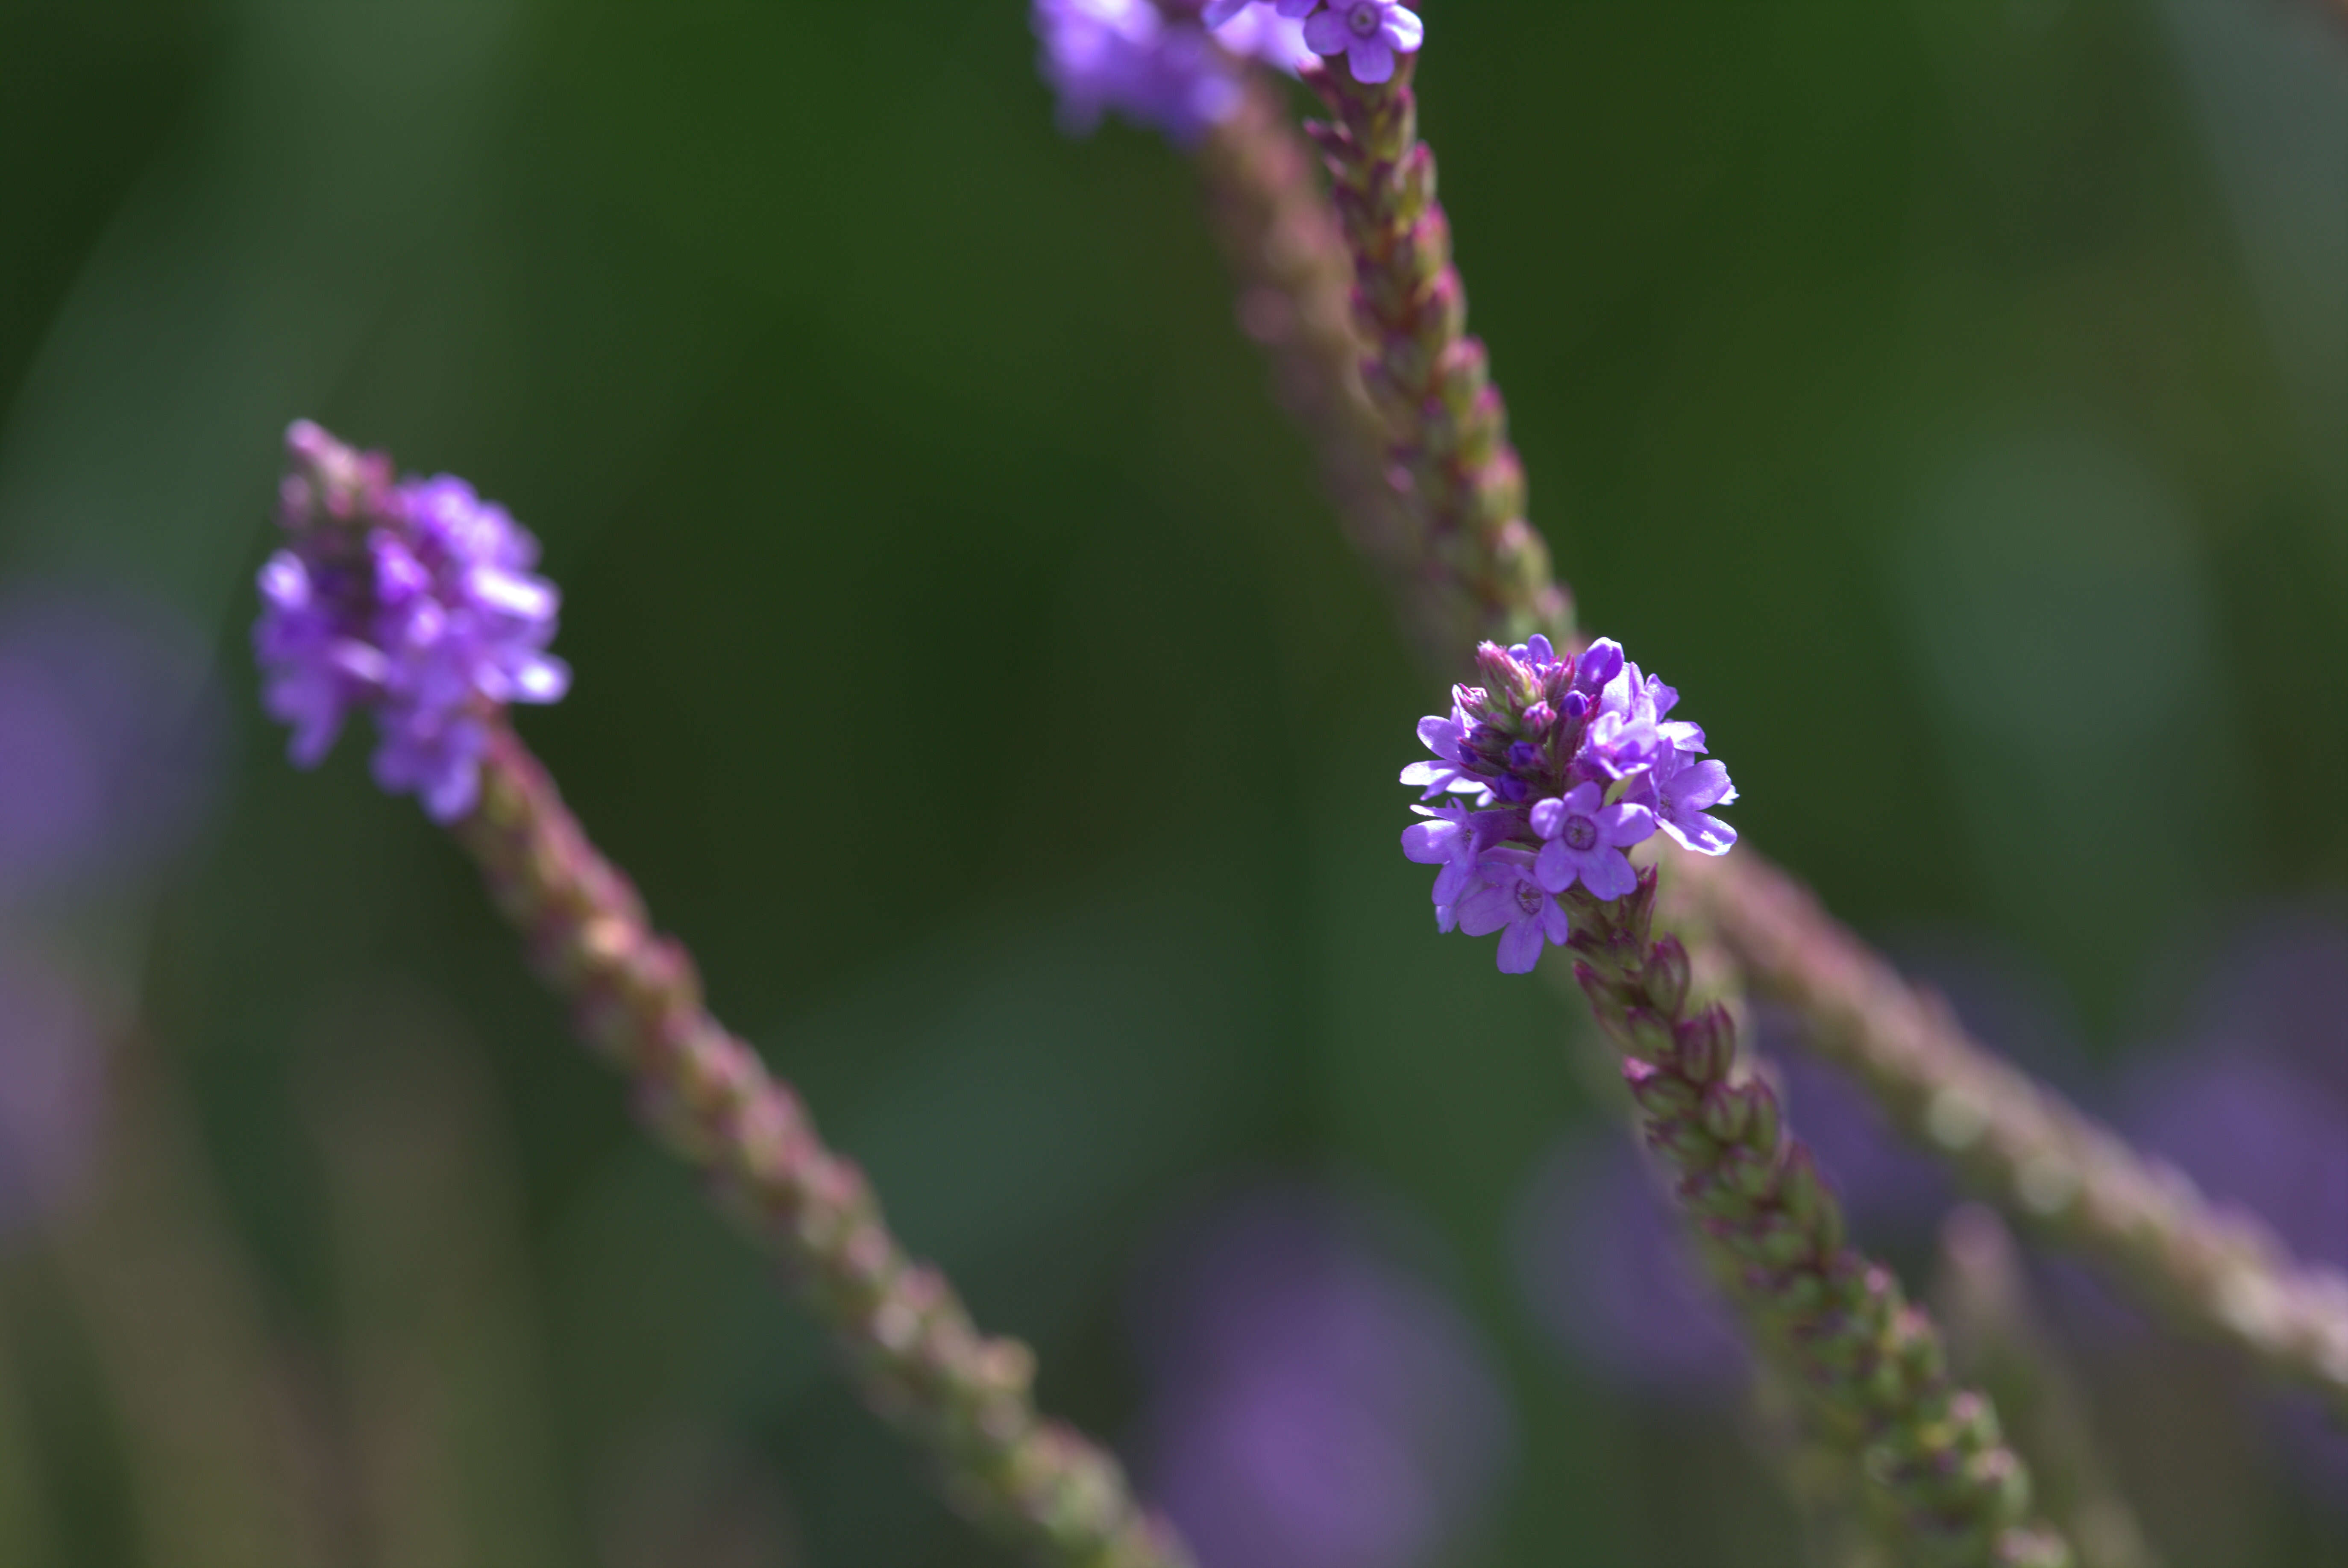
x: 1446, y: 426
x: 2217, y: 1272
x: 923, y: 1366
x: 1870, y: 1364
x: 2072, y: 1181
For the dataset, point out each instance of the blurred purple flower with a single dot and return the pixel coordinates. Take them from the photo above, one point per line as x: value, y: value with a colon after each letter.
x: 1890, y: 1190
x: 109, y: 734
x: 1608, y: 1271
x: 1154, y: 64
x: 1313, y: 1405
x: 416, y: 601
x: 2253, y: 1130
x: 2254, y: 1109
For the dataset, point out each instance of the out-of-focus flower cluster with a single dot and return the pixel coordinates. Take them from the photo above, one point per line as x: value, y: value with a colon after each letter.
x: 1314, y: 1402
x: 415, y: 600
x: 1162, y: 67
x: 1175, y: 65
x: 1565, y: 762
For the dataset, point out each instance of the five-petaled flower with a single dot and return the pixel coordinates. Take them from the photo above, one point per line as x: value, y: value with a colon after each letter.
x: 1584, y: 840
x: 1368, y: 33
x: 1513, y: 903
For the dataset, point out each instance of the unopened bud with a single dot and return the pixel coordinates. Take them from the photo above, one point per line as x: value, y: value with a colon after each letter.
x: 1667, y: 975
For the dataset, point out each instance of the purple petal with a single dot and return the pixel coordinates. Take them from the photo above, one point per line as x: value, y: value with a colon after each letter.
x: 1405, y: 31
x: 1455, y: 877
x: 1706, y: 835
x: 1555, y: 866
x: 1556, y: 922
x: 1705, y: 784
x: 1608, y: 875
x: 1430, y: 843
x: 1625, y: 823
x: 1599, y: 663
x: 1520, y: 947
x: 1326, y: 32
x: 1440, y: 736
x: 1582, y: 799
x: 542, y: 678
x: 1294, y: 7
x: 1373, y: 62
x: 1218, y: 11
x: 1548, y: 818
x: 1488, y: 908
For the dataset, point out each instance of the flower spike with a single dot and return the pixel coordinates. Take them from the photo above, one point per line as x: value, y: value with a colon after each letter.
x: 414, y: 601
x: 1568, y: 762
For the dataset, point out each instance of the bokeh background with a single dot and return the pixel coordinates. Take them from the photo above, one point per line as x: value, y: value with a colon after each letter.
x: 1951, y: 399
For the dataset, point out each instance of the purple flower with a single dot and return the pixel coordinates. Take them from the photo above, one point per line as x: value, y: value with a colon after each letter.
x: 1685, y: 790
x: 1448, y: 773
x: 1511, y: 901
x: 1571, y: 758
x: 110, y: 733
x: 416, y: 602
x: 1155, y: 67
x: 1454, y: 841
x: 1630, y: 733
x: 1585, y: 841
x: 1368, y: 33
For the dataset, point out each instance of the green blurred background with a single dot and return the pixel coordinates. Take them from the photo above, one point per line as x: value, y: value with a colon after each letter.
x: 1949, y: 398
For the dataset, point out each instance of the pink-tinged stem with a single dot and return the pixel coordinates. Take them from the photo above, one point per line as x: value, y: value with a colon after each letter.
x: 922, y: 1365
x: 1446, y: 427
x: 2072, y: 1179
x: 1870, y: 1364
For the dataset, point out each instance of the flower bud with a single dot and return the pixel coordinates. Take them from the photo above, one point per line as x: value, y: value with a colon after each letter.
x: 1667, y: 975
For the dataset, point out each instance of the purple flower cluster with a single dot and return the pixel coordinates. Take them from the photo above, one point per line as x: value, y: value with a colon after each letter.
x: 1314, y: 1402
x: 1368, y: 33
x: 1564, y: 763
x: 415, y: 600
x: 1163, y: 67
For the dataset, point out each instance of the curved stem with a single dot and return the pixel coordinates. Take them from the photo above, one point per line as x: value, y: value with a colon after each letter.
x: 1870, y: 1364
x: 1446, y: 427
x: 2056, y: 1170
x: 2070, y: 1180
x: 922, y: 1365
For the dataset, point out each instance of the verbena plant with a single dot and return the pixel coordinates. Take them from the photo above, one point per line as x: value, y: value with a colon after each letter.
x: 1568, y: 803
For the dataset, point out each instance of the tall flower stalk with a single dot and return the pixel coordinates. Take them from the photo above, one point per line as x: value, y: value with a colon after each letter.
x: 1551, y: 769
x: 2067, y: 1177
x: 1446, y: 425
x: 2054, y: 1169
x: 415, y: 601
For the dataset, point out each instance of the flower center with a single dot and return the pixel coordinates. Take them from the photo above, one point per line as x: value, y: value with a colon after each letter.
x: 1365, y: 19
x: 1529, y: 898
x: 1581, y: 833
